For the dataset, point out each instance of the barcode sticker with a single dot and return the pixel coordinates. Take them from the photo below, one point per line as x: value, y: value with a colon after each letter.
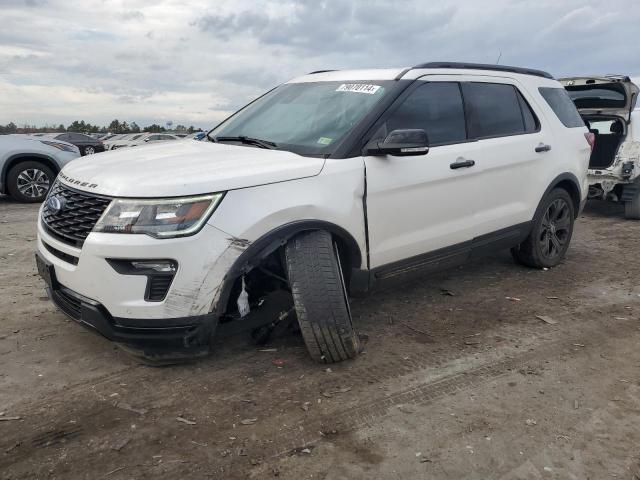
x: 358, y: 88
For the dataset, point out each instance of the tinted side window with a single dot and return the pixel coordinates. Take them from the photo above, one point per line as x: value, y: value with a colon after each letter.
x: 434, y: 107
x: 493, y: 109
x: 562, y: 105
x: 64, y: 137
x: 76, y: 137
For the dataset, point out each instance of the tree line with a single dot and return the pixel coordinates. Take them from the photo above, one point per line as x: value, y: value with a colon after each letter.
x: 84, y: 127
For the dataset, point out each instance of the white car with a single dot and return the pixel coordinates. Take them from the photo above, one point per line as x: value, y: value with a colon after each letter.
x: 152, y: 138
x: 139, y: 139
x: 28, y: 165
x: 606, y: 104
x: 328, y: 186
x: 123, y: 140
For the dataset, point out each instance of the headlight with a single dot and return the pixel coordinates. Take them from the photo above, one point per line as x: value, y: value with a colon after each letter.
x: 164, y: 218
x: 60, y: 146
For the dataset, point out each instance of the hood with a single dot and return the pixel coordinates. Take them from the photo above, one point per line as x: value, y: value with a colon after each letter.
x: 172, y: 169
x: 609, y: 94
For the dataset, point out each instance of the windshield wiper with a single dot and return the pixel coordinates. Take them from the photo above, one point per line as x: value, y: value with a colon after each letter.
x: 248, y: 141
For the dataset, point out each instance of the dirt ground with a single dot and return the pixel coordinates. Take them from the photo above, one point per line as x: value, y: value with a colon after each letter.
x: 459, y: 379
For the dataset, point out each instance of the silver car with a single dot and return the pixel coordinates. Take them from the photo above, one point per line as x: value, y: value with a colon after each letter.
x: 28, y: 165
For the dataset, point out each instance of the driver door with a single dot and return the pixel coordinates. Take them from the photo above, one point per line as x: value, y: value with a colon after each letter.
x: 421, y: 210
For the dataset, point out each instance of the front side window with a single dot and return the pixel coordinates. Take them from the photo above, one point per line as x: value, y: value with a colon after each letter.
x: 307, y: 118
x: 493, y: 110
x: 434, y: 107
x: 562, y: 105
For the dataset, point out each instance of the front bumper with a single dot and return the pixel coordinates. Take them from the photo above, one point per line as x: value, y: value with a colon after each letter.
x: 88, y: 288
x: 178, y: 338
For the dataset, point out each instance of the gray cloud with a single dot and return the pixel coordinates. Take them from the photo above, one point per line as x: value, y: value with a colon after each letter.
x: 317, y: 28
x: 136, y: 15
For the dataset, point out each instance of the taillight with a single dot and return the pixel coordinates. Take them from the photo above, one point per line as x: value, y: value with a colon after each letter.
x: 591, y: 139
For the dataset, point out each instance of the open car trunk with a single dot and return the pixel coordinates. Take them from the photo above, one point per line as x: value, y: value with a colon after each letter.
x: 605, y: 104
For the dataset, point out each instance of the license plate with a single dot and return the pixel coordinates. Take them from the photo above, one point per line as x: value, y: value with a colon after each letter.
x: 46, y: 271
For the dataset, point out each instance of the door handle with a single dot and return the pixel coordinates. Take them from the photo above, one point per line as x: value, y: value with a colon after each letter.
x: 543, y: 148
x: 462, y: 163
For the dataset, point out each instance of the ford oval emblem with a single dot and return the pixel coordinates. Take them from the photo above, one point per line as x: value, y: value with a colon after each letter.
x: 55, y: 204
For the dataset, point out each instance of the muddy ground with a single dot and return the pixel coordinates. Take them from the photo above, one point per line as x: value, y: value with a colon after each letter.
x: 459, y: 379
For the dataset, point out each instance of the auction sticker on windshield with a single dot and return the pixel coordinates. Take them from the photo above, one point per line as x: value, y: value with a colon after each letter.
x: 358, y: 88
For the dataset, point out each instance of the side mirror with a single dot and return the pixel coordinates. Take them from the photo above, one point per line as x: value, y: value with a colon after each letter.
x: 400, y: 143
x: 146, y: 140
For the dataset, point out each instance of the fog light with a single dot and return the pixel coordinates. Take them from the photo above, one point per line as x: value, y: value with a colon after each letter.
x: 155, y: 265
x: 159, y: 275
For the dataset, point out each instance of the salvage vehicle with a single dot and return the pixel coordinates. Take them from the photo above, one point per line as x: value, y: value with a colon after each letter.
x: 326, y: 187
x: 29, y: 165
x: 606, y: 105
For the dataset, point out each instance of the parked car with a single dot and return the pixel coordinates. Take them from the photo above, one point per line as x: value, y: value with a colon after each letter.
x: 86, y: 143
x: 197, y: 136
x: 144, y: 139
x: 123, y: 140
x: 328, y: 186
x: 29, y: 165
x: 606, y: 105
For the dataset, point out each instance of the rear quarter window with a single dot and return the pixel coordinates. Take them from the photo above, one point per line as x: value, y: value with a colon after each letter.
x: 562, y: 105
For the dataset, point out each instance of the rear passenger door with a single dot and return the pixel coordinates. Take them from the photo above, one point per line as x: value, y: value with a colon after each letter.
x: 509, y: 149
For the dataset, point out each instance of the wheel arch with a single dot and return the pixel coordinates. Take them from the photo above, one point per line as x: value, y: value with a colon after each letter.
x: 569, y: 182
x: 25, y: 157
x: 270, y: 242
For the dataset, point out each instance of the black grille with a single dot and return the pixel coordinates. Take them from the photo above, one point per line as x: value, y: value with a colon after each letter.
x: 61, y: 255
x: 76, y: 220
x: 158, y: 286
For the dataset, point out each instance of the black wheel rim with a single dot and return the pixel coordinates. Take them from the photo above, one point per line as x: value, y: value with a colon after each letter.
x: 555, y: 229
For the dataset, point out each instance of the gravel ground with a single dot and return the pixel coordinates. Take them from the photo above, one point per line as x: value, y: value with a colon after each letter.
x: 459, y: 379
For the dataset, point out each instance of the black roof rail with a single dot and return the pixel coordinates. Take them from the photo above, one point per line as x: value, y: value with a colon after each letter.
x: 485, y: 66
x: 321, y: 71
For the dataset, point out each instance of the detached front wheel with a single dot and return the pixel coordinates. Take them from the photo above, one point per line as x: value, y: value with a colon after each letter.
x: 320, y: 297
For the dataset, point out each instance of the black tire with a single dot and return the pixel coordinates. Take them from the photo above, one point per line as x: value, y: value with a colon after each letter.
x: 547, y: 244
x: 632, y: 207
x: 23, y: 190
x: 320, y: 298
x: 89, y: 150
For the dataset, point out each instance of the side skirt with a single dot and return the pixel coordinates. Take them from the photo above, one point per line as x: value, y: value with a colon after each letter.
x: 438, y: 260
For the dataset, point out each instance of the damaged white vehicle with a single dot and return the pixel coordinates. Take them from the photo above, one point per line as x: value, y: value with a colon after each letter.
x: 606, y: 103
x: 325, y: 187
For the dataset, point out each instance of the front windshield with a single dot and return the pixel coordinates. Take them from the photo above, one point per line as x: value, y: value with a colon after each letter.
x: 306, y: 118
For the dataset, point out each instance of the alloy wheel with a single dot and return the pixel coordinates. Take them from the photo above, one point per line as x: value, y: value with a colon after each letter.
x: 555, y: 229
x: 33, y: 183
x: 89, y: 150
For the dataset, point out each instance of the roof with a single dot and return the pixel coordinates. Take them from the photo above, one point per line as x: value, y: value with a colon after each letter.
x: 398, y: 73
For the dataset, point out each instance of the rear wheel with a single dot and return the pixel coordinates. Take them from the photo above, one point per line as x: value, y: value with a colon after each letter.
x: 551, y: 234
x: 632, y: 207
x: 89, y: 150
x: 320, y: 297
x: 29, y: 181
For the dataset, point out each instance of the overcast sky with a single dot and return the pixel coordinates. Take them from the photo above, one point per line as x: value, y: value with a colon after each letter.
x: 195, y: 62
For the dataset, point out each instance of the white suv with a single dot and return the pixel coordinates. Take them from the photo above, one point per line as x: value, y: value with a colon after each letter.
x: 327, y: 186
x: 606, y: 104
